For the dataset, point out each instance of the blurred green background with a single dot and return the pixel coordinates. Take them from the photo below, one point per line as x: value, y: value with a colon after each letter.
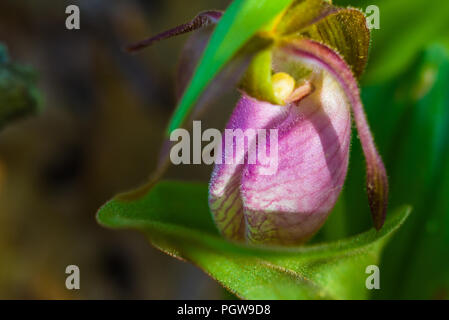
x: 104, y: 112
x: 102, y: 121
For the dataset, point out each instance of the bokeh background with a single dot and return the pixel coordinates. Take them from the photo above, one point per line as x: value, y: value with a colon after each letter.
x: 100, y: 126
x: 98, y: 133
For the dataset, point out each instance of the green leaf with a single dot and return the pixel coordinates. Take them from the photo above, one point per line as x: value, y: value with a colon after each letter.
x: 240, y: 22
x: 4, y: 58
x: 409, y: 117
x: 18, y: 94
x: 176, y: 218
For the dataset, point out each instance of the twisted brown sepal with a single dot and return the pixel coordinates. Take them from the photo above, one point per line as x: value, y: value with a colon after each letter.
x: 203, y: 19
x: 342, y: 29
x: 315, y: 54
x: 377, y: 188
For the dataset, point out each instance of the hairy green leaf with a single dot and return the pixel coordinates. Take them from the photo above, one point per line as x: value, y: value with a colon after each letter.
x: 184, y: 229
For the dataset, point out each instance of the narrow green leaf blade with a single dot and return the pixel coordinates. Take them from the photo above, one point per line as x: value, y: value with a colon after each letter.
x: 240, y: 22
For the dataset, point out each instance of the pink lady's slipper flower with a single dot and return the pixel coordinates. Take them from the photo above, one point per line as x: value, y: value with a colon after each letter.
x: 302, y: 89
x: 314, y: 130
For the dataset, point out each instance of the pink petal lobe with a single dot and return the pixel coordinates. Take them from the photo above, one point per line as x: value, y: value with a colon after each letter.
x: 284, y: 202
x: 289, y: 206
x: 224, y: 189
x: 321, y: 56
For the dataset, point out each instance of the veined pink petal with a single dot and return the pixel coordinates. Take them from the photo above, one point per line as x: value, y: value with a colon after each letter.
x: 290, y: 205
x: 312, y: 52
x: 224, y: 191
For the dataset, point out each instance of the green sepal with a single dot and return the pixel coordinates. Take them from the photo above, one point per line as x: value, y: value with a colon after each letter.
x: 301, y: 14
x: 346, y: 32
x: 342, y: 29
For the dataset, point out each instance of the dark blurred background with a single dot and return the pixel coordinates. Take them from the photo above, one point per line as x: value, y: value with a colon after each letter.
x: 103, y: 115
